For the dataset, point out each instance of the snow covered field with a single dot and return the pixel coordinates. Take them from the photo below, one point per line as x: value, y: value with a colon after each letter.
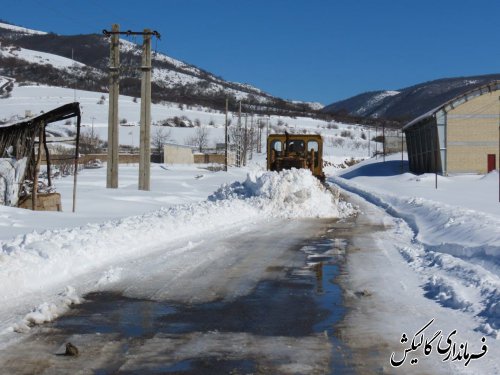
x: 342, y: 141
x: 436, y: 255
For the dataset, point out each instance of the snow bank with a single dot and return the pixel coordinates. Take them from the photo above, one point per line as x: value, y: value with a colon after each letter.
x: 455, y: 250
x: 38, y: 262
x: 47, y: 312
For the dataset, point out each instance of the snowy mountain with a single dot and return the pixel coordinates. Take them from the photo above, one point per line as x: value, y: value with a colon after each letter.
x: 20, y: 30
x: 410, y: 102
x: 82, y: 61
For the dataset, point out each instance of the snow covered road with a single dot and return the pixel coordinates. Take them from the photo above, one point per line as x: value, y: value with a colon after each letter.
x: 224, y: 265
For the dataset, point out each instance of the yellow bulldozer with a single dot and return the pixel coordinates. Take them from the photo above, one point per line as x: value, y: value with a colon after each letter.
x: 286, y: 151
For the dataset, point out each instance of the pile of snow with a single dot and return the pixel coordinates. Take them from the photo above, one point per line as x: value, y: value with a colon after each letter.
x: 36, y: 262
x: 46, y: 311
x: 288, y: 194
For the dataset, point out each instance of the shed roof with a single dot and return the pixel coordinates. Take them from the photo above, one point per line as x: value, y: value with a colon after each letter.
x: 477, y: 91
x: 57, y: 114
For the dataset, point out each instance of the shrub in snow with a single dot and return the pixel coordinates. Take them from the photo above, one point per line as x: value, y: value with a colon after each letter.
x: 346, y: 134
x: 336, y: 142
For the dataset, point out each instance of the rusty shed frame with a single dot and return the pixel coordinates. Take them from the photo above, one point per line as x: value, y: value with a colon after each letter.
x: 22, y: 136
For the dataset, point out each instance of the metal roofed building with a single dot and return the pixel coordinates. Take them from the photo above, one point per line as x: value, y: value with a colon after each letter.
x: 460, y: 136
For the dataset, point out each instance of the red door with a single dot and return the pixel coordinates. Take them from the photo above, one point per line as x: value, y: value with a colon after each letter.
x: 492, y: 165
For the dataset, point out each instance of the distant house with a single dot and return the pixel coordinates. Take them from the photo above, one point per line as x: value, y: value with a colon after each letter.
x: 215, y: 158
x: 459, y: 136
x: 179, y: 154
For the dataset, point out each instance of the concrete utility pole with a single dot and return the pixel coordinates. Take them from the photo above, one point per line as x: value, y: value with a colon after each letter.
x: 92, y: 130
x: 114, y: 79
x: 145, y: 146
x: 369, y: 141
x: 225, y: 137
x: 252, y: 136
x: 402, y: 151
x: 145, y: 142
x: 383, y: 140
x: 238, y: 145
x: 267, y: 128
x: 259, y: 130
x: 77, y: 152
x: 245, y: 142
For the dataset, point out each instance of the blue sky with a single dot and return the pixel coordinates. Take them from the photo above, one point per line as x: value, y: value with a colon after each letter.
x: 314, y: 50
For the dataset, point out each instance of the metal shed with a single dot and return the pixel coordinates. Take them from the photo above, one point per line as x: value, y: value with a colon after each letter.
x: 460, y: 136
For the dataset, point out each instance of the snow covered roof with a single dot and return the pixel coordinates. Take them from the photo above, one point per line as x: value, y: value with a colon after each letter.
x: 480, y: 90
x: 57, y: 114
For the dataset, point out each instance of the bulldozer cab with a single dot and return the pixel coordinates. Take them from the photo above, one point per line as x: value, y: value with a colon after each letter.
x: 286, y: 151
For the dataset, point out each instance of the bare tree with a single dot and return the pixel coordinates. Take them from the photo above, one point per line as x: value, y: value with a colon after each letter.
x: 160, y: 137
x: 200, y: 138
x: 261, y: 125
x: 90, y: 143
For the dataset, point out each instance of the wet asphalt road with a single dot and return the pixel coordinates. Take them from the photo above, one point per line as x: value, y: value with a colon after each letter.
x: 287, y: 324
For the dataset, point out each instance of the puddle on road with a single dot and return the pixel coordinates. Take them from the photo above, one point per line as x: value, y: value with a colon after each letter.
x: 285, y: 326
